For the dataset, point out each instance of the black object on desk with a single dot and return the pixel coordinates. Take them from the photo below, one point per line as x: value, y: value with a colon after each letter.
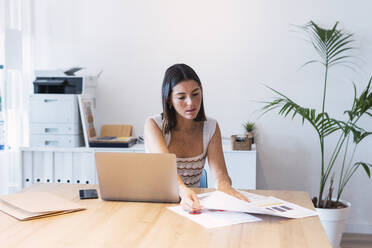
x: 88, y: 194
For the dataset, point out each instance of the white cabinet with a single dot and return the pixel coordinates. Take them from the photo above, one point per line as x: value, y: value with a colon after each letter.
x: 77, y: 165
x: 241, y: 166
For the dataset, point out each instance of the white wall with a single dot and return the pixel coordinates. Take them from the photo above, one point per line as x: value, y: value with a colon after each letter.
x: 235, y: 47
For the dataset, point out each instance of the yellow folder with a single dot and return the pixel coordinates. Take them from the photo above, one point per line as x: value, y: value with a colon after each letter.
x: 32, y: 205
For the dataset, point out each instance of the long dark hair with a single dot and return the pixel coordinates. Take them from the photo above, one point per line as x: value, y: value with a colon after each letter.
x: 173, y: 76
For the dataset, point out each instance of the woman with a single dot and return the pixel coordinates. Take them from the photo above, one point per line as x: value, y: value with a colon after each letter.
x: 183, y: 129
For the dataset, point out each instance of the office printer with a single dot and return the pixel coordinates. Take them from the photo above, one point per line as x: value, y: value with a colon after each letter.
x: 54, y: 107
x: 73, y: 81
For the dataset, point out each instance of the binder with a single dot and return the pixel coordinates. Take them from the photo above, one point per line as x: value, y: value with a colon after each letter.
x: 38, y: 167
x: 27, y: 169
x: 63, y: 167
x: 33, y: 205
x: 77, y: 168
x: 83, y: 169
x: 48, y: 168
x: 90, y: 170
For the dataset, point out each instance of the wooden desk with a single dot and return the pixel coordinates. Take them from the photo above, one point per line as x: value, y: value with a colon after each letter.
x: 130, y: 224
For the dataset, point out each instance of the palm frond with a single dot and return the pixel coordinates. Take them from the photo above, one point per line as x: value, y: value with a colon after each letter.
x: 330, y: 44
x: 339, y: 42
x: 345, y: 64
x: 365, y: 167
x: 342, y: 58
x: 310, y: 62
x: 334, y: 40
x: 359, y: 136
x: 350, y: 172
x: 323, y: 124
x: 361, y: 104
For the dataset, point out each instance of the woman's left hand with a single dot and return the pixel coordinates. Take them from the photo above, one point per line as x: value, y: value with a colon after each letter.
x: 226, y: 188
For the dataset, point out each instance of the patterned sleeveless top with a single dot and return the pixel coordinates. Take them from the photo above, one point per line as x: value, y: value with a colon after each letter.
x: 190, y: 169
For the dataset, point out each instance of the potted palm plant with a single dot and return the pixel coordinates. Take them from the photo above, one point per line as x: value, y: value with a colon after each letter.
x: 333, y: 46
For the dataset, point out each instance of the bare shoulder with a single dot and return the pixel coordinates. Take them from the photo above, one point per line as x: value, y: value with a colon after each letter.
x: 217, y: 133
x: 154, y: 140
x: 150, y: 121
x: 150, y: 124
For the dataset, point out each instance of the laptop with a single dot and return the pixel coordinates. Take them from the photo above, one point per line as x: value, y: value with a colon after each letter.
x: 145, y: 177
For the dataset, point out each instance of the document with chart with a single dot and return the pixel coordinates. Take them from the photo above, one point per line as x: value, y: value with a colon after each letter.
x: 258, y: 205
x: 221, y: 209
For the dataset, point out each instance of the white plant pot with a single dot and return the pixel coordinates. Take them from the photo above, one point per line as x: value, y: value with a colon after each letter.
x: 333, y: 221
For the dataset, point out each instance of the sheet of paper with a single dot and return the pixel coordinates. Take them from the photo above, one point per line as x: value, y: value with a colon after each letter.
x: 258, y: 205
x: 282, y: 208
x: 215, y: 218
x: 251, y: 196
x: 222, y: 201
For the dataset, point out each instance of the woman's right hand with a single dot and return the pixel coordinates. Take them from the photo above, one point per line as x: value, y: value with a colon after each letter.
x: 189, y: 200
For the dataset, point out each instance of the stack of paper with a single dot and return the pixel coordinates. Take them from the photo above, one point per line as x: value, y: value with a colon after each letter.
x: 32, y: 205
x: 257, y: 205
x: 215, y: 218
x: 221, y: 209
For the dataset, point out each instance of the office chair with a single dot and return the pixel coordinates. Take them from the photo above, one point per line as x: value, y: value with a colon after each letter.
x: 204, y: 180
